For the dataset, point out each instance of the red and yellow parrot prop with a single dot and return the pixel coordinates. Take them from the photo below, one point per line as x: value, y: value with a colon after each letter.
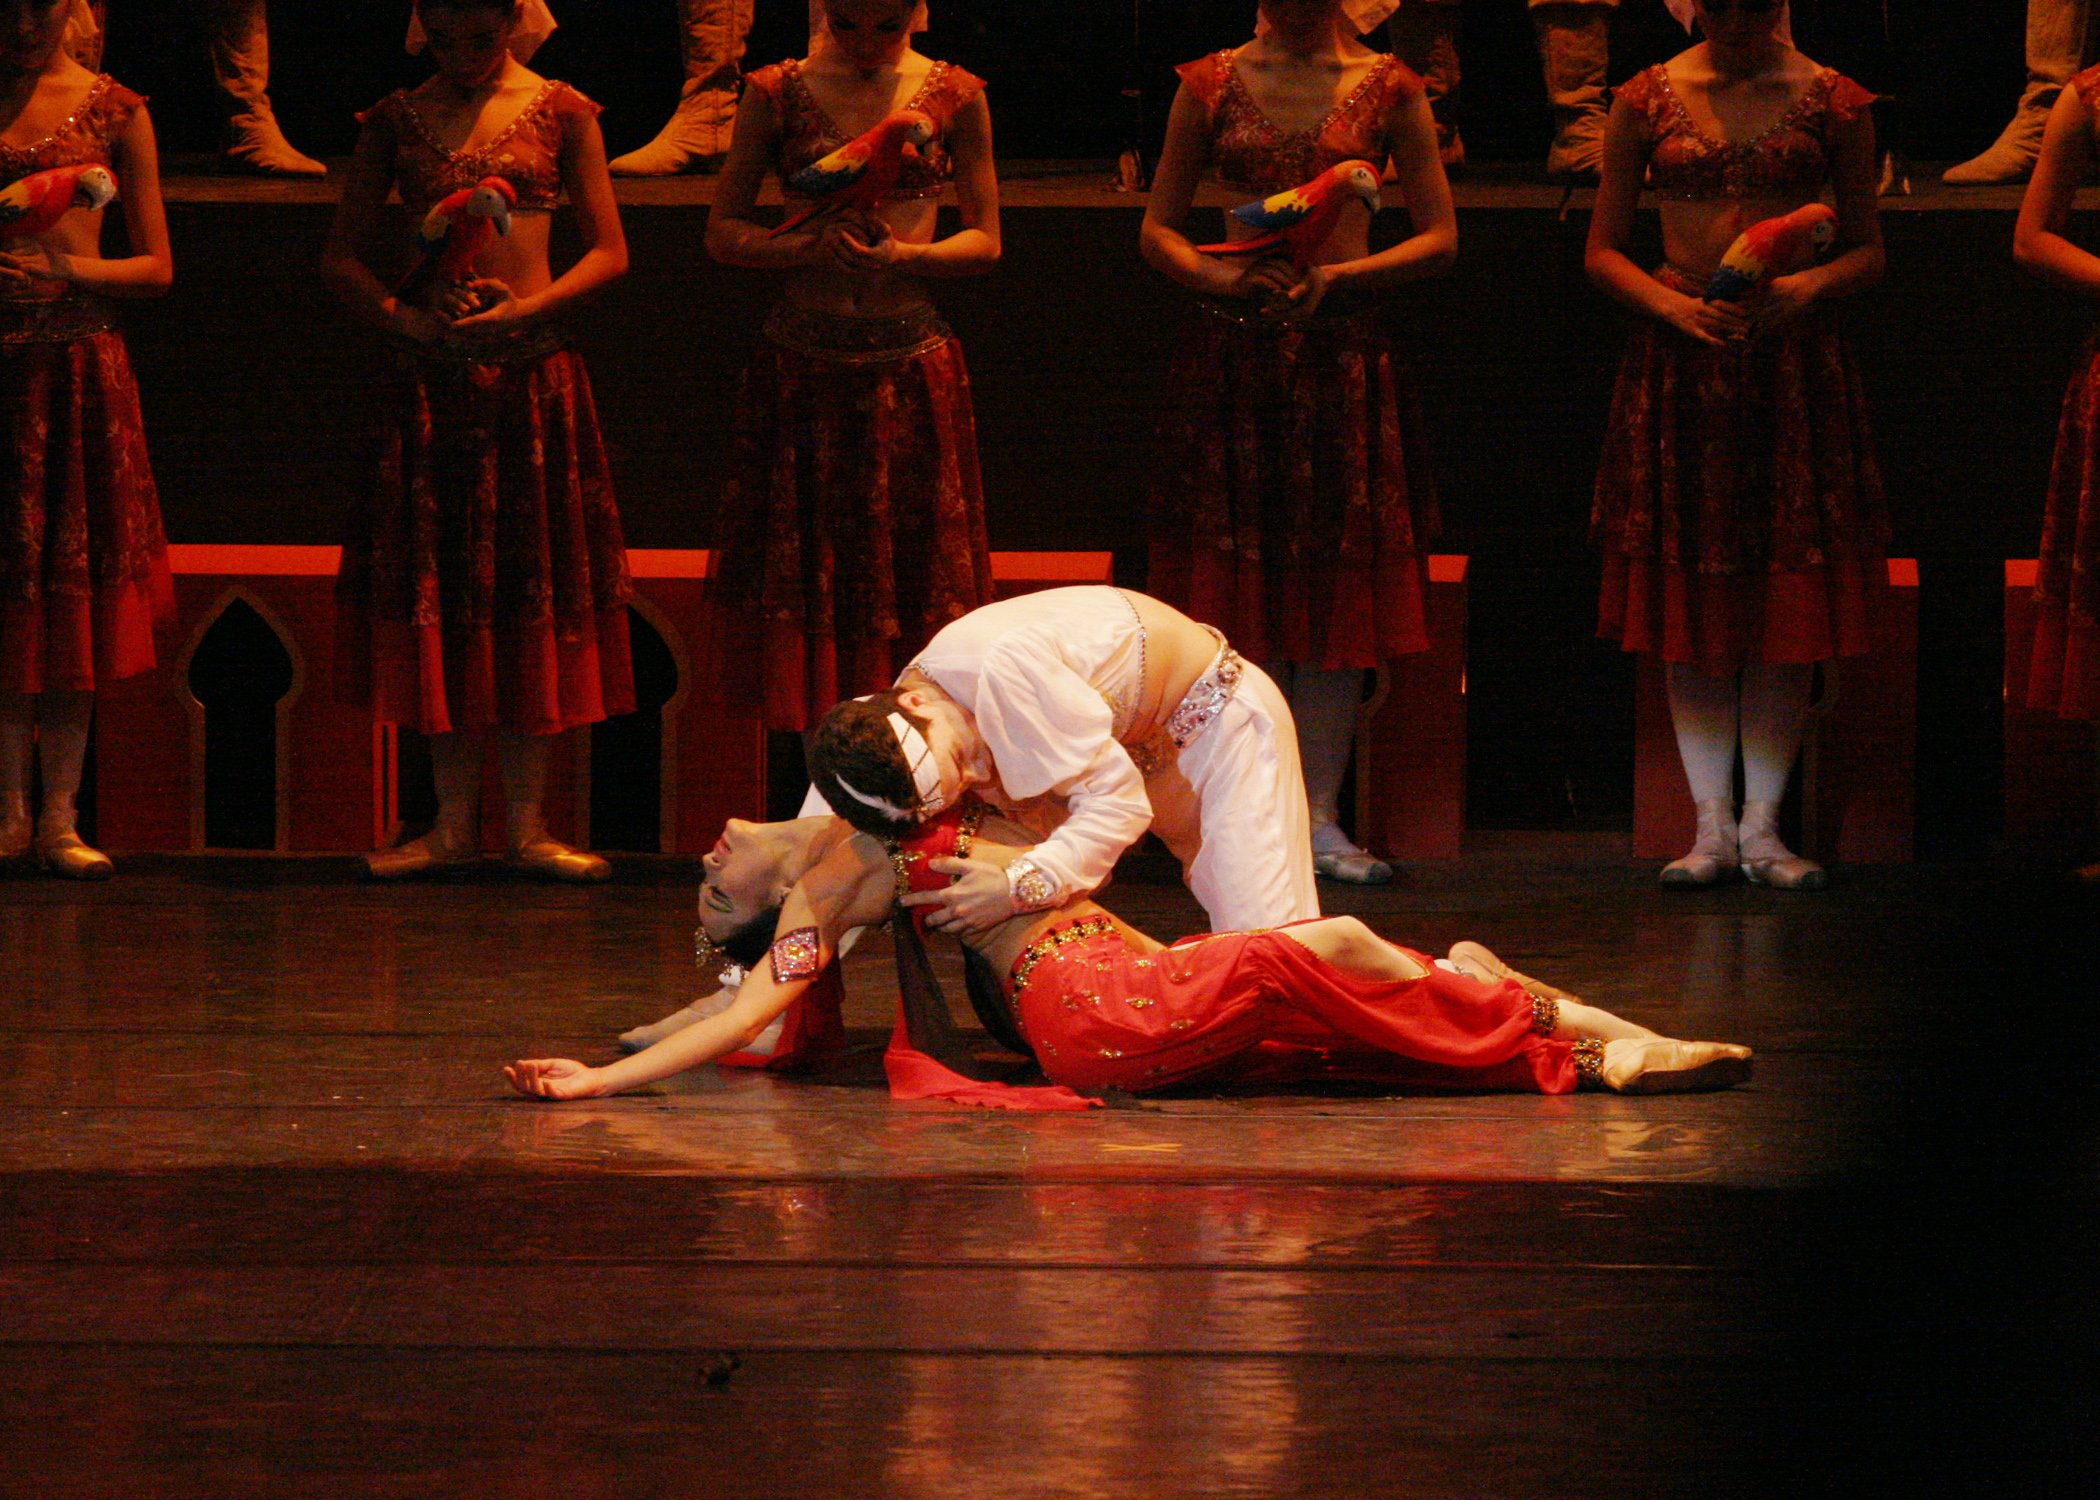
x: 457, y: 229
x: 1302, y: 218
x: 36, y: 202
x: 861, y: 173
x: 1772, y: 247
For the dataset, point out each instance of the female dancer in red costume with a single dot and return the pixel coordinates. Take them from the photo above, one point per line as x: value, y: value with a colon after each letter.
x: 1295, y: 499
x: 83, y: 563
x: 1101, y: 1005
x: 852, y: 526
x: 2064, y: 672
x: 1738, y: 504
x: 485, y: 582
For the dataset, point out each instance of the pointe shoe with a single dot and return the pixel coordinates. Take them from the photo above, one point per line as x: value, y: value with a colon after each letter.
x: 435, y: 850
x: 1345, y: 861
x: 69, y: 857
x: 1713, y: 856
x: 1665, y: 1066
x: 1766, y: 861
x: 551, y: 859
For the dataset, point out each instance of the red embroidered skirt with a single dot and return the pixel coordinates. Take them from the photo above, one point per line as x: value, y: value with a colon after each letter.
x: 1259, y: 1008
x: 2063, y: 674
x: 484, y: 581
x: 1739, y: 504
x: 852, y: 525
x: 83, y: 561
x: 1294, y: 503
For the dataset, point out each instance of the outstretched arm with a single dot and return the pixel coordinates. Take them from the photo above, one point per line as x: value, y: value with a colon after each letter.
x: 852, y: 887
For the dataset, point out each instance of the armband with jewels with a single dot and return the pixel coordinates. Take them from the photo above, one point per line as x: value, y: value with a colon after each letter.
x: 1031, y: 889
x: 796, y: 956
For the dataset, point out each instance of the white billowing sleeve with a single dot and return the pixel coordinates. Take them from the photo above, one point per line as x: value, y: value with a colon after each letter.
x: 1049, y: 731
x: 814, y: 805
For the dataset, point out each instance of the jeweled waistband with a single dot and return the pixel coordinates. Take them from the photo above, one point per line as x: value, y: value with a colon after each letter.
x: 856, y: 341
x: 1198, y: 709
x: 1336, y: 311
x: 534, y: 343
x: 59, y: 320
x: 1051, y: 941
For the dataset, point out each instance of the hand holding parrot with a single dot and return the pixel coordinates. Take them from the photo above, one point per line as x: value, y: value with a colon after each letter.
x: 1299, y: 221
x: 32, y: 206
x: 452, y: 236
x: 859, y: 175
x: 1770, y: 249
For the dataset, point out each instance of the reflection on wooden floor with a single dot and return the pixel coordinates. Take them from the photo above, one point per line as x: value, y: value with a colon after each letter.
x: 270, y: 1224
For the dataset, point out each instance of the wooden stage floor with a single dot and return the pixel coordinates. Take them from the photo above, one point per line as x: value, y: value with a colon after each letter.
x: 270, y: 1223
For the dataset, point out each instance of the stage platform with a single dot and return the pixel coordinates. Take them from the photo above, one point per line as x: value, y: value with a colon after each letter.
x: 271, y: 1223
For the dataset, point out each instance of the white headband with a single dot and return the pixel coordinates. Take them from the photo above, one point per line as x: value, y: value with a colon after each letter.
x: 1365, y: 15
x: 535, y: 25
x: 1682, y: 10
x: 925, y: 776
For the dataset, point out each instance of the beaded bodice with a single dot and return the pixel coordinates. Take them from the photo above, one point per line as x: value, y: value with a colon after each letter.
x: 1790, y: 159
x: 949, y: 835
x: 82, y: 140
x: 2088, y: 86
x: 527, y: 152
x: 808, y: 133
x: 1248, y: 150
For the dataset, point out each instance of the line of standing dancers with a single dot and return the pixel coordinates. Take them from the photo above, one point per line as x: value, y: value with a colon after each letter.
x: 484, y: 589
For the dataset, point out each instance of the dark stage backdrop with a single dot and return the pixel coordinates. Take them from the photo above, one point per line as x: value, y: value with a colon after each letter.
x: 1058, y: 70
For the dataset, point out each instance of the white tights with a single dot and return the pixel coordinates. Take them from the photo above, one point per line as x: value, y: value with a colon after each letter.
x: 1764, y: 709
x: 55, y: 726
x: 1324, y: 702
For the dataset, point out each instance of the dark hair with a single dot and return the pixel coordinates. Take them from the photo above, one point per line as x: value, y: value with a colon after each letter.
x: 854, y: 744
x: 508, y: 7
x: 748, y: 944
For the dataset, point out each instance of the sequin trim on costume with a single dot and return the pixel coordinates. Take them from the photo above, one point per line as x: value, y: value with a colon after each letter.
x: 856, y: 341
x: 1545, y: 1014
x: 1153, y: 750
x: 1048, y: 944
x: 58, y: 320
x: 1589, y: 1063
x: 796, y: 956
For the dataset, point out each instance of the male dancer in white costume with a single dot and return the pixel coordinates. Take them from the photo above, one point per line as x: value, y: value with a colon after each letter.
x: 1120, y: 708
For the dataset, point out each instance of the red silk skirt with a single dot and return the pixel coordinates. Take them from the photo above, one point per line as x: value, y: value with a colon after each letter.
x: 2063, y: 675
x: 83, y: 561
x: 1739, y: 505
x: 484, y: 581
x: 1261, y: 1009
x: 852, y: 525
x: 1294, y: 504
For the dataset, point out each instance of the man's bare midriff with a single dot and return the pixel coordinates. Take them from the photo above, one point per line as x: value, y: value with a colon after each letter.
x: 1177, y: 652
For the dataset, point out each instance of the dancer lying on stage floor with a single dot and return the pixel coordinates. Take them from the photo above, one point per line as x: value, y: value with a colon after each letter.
x: 1102, y: 1006
x: 1127, y: 711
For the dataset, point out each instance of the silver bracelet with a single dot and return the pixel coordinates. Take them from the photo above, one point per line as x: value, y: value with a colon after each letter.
x: 1030, y: 888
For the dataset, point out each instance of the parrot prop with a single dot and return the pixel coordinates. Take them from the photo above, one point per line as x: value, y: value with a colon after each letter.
x: 1302, y: 218
x: 40, y: 200
x: 1772, y: 247
x: 860, y: 174
x: 457, y: 229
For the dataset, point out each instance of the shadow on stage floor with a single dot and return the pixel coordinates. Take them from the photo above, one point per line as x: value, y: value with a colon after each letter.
x: 270, y: 1223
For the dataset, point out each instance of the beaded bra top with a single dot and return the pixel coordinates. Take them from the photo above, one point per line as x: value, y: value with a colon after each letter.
x: 1248, y: 150
x: 84, y: 139
x: 526, y: 152
x: 1790, y: 159
x: 808, y: 133
x: 2088, y: 86
x: 949, y: 835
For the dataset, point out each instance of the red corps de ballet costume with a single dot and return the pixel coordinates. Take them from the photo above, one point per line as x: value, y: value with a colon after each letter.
x: 1738, y: 503
x: 484, y: 580
x: 1224, y: 1010
x: 1295, y: 495
x: 2064, y: 671
x: 83, y: 561
x: 852, y: 525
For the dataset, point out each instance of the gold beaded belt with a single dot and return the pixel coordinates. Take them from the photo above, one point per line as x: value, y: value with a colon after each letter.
x: 59, y: 320
x: 525, y: 347
x: 1334, y: 311
x: 856, y: 341
x: 1155, y: 749
x: 1050, y: 942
